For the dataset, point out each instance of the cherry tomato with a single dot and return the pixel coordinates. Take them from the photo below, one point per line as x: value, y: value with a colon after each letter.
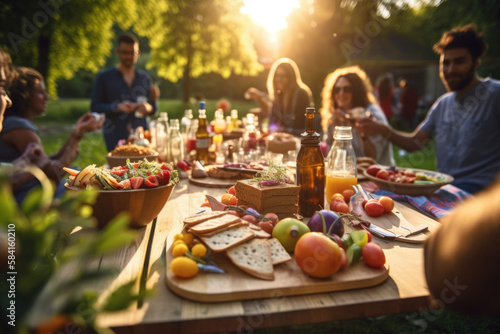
x: 387, y: 203
x: 337, y: 195
x: 229, y: 199
x: 373, y: 255
x: 266, y: 226
x: 374, y: 209
x: 373, y: 170
x: 250, y: 218
x: 232, y: 191
x: 343, y: 261
x: 382, y: 174
x: 339, y: 207
x: 273, y: 218
x: 205, y: 204
x: 348, y: 193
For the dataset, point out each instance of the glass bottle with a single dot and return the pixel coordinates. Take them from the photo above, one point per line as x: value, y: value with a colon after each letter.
x: 175, y: 143
x: 191, y: 136
x: 185, y: 128
x: 310, y: 169
x: 162, y: 131
x: 341, y: 173
x: 219, y: 121
x: 250, y: 136
x: 202, y: 137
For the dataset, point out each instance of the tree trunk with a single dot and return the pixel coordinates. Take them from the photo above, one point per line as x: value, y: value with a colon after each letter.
x: 43, y: 56
x: 187, y: 73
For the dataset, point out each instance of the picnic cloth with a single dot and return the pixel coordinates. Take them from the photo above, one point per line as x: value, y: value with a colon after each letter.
x: 436, y: 205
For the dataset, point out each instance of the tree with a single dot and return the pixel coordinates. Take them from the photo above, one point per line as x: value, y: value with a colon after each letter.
x: 58, y: 37
x: 191, y: 37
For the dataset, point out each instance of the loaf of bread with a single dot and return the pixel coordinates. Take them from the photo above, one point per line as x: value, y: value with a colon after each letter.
x: 253, y: 257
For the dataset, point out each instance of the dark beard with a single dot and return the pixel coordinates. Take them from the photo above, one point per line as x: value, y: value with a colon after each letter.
x: 466, y: 79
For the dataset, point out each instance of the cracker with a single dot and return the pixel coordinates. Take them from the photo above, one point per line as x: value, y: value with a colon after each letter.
x: 253, y: 257
x: 214, y: 223
x: 241, y: 222
x: 193, y: 220
x: 226, y: 239
x: 278, y: 252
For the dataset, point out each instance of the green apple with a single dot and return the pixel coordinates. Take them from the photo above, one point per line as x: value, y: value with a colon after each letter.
x: 288, y: 231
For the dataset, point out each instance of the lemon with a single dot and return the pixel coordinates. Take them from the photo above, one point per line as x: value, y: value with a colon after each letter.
x: 184, y: 267
x: 179, y: 236
x: 188, y: 238
x: 179, y: 250
x: 360, y: 237
x: 199, y: 250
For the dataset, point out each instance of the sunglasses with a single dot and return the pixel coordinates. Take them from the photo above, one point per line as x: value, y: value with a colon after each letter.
x: 345, y: 89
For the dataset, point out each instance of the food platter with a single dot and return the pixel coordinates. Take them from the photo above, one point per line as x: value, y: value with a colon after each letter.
x: 412, y: 189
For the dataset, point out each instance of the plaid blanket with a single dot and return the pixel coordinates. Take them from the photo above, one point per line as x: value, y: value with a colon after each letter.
x: 437, y: 205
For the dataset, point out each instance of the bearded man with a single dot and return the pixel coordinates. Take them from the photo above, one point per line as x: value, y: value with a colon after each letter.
x: 465, y: 122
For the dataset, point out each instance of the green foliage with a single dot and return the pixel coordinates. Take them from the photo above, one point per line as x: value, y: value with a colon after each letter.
x: 44, y: 246
x: 190, y: 38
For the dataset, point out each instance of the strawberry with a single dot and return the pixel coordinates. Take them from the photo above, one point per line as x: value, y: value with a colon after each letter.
x: 151, y: 182
x: 164, y: 176
x: 136, y: 182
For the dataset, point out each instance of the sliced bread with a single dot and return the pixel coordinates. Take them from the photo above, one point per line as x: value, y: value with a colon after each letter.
x: 214, y: 224
x: 253, y: 257
x: 196, y: 219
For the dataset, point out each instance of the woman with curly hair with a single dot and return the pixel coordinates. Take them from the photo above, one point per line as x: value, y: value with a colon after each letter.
x: 5, y: 79
x: 29, y: 100
x: 346, y: 95
x: 286, y: 99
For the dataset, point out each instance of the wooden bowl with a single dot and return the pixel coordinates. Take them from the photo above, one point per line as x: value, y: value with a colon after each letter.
x: 143, y: 205
x: 116, y: 160
x: 412, y: 189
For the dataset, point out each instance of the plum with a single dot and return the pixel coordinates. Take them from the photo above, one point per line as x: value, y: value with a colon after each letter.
x: 315, y: 224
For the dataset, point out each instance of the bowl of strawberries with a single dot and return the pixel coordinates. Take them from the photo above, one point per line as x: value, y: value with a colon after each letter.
x: 140, y: 189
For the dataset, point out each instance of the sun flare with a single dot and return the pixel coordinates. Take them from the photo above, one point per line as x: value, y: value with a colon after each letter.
x: 270, y: 14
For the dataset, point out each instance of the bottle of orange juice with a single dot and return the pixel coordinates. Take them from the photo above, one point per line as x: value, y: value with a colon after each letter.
x: 341, y: 173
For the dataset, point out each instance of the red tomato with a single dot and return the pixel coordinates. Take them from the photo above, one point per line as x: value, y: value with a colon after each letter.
x: 266, y: 226
x: 343, y: 261
x: 183, y: 165
x: 369, y: 236
x: 136, y: 182
x: 373, y: 170
x: 232, y: 191
x: 317, y: 255
x: 337, y: 206
x: 387, y: 203
x: 348, y: 193
x: 374, y: 209
x: 250, y: 218
x: 273, y: 218
x: 382, y: 174
x: 205, y: 204
x: 151, y: 182
x: 373, y: 255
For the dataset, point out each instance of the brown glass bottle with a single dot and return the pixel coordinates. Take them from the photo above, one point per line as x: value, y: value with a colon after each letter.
x: 202, y: 137
x: 310, y: 169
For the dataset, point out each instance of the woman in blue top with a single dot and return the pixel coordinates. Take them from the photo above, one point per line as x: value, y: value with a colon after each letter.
x: 29, y: 100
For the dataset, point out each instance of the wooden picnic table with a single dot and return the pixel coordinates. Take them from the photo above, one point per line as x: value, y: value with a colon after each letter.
x: 404, y: 291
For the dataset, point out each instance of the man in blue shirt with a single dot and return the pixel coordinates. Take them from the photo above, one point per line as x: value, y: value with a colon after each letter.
x: 465, y: 122
x: 123, y: 94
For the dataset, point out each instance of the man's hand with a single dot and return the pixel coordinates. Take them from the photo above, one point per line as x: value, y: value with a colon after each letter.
x: 126, y: 107
x: 143, y: 108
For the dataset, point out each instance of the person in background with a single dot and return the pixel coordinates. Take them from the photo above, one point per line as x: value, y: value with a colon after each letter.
x: 385, y: 95
x: 409, y: 104
x: 464, y: 123
x: 347, y: 94
x: 286, y: 99
x: 20, y: 135
x: 6, y: 73
x: 123, y: 94
x: 461, y: 256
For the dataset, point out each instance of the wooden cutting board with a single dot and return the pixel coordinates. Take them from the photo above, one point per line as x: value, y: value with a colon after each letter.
x: 211, y: 182
x: 289, y: 280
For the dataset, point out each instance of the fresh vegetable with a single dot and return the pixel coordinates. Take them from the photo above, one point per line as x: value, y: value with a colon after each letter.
x: 373, y: 255
x: 288, y: 231
x: 317, y: 255
x: 374, y: 209
x: 387, y: 203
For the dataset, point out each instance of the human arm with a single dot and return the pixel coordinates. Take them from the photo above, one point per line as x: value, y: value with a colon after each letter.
x: 261, y: 97
x: 461, y: 256
x: 33, y: 155
x: 408, y: 141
